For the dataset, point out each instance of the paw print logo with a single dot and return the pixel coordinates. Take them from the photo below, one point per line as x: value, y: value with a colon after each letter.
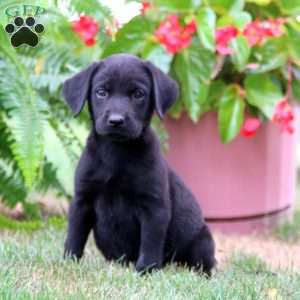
x: 24, y: 33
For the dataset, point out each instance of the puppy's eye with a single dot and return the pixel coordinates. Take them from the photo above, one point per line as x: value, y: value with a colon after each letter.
x: 101, y: 93
x: 138, y: 94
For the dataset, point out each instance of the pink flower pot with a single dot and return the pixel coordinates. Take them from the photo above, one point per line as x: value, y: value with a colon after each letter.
x: 242, y: 186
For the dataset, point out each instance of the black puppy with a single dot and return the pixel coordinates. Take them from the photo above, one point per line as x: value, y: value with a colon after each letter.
x: 137, y: 207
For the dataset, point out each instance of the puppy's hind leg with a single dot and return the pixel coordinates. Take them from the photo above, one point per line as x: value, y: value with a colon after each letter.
x: 201, y: 252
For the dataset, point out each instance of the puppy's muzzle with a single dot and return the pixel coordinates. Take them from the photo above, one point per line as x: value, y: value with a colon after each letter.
x: 116, y: 120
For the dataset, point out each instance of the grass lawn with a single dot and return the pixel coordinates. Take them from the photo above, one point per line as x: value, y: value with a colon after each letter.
x: 31, y: 267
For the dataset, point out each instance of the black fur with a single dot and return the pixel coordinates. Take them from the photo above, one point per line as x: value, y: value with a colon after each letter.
x: 138, y: 208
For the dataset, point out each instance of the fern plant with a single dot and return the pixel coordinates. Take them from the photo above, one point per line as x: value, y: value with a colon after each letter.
x: 40, y: 141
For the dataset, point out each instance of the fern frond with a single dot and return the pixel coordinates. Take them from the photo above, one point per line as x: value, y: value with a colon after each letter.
x: 57, y: 154
x: 23, y: 119
x: 50, y: 82
x: 49, y: 181
x: 12, y: 189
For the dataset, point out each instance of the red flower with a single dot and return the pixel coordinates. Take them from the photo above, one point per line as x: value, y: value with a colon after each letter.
x: 257, y: 31
x: 87, y: 28
x: 254, y: 33
x: 190, y: 28
x: 187, y: 33
x: 250, y: 127
x: 284, y: 116
x: 223, y: 36
x: 273, y: 27
x: 145, y: 6
x: 174, y: 36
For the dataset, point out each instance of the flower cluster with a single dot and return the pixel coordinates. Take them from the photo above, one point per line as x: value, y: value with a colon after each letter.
x: 257, y: 31
x: 87, y: 28
x: 284, y: 116
x: 250, y: 127
x: 173, y: 35
x: 223, y: 36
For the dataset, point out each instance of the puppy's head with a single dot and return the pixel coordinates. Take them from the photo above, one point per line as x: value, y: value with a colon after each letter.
x: 122, y: 91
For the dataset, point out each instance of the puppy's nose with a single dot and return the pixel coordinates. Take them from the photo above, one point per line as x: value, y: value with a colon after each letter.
x: 115, y: 120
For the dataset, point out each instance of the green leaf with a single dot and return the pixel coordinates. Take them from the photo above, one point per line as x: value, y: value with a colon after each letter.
x: 271, y: 55
x: 131, y: 38
x: 12, y: 187
x: 290, y: 6
x: 193, y: 71
x: 91, y: 8
x: 262, y: 93
x: 57, y: 154
x: 230, y: 114
x: 260, y: 2
x: 177, y: 5
x: 201, y: 60
x: 198, y: 107
x: 206, y: 24
x: 156, y: 54
x: 293, y: 43
x: 238, y: 19
x: 227, y: 6
x: 27, y: 145
x: 241, y: 52
x: 216, y: 91
x: 296, y: 90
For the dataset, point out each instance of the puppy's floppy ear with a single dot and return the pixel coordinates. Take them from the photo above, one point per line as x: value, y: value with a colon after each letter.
x: 165, y: 89
x: 76, y: 88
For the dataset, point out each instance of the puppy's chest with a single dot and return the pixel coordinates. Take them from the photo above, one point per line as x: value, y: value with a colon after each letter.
x: 122, y: 190
x: 116, y: 214
x: 123, y: 176
x: 120, y: 198
x: 115, y: 205
x: 127, y: 176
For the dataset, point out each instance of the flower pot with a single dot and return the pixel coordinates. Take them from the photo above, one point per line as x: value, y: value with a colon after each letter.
x: 243, y: 186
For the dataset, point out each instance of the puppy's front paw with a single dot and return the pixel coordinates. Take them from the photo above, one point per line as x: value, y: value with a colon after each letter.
x: 144, y: 267
x: 73, y: 255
